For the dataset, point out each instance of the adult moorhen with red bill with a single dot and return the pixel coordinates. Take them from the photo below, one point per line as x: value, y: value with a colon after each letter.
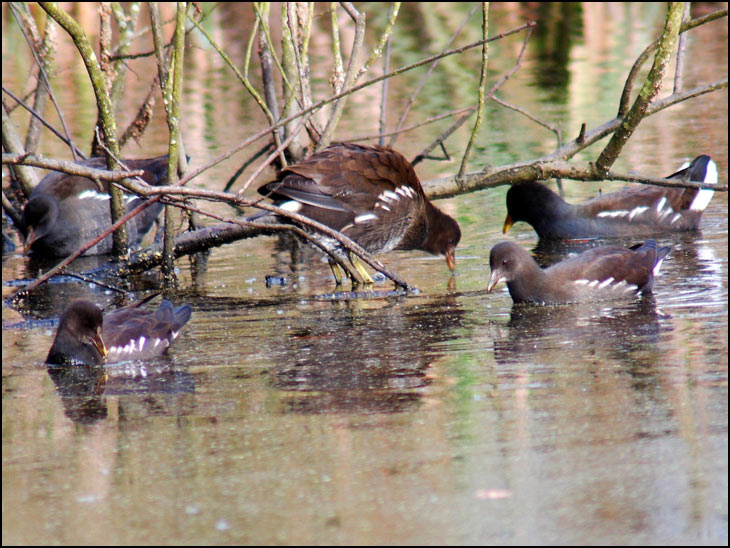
x: 636, y: 211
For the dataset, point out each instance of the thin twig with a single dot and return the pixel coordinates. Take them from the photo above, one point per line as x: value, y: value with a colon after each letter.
x: 126, y: 23
x: 71, y: 168
x: 59, y: 113
x: 546, y: 125
x: 441, y: 138
x: 681, y: 49
x: 53, y: 130
x: 27, y: 178
x: 482, y: 86
x: 271, y: 157
x: 649, y: 91
x: 646, y: 54
x: 384, y: 94
x: 384, y: 39
x: 263, y: 150
x: 90, y: 280
x: 424, y: 78
x: 243, y: 78
x: 11, y: 212
x: 350, y: 75
x: 406, y: 129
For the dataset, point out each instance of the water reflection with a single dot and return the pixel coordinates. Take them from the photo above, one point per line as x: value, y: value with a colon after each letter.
x: 693, y: 270
x: 568, y: 334
x: 560, y: 24
x: 52, y: 297
x: 84, y: 389
x: 354, y: 360
x: 81, y: 388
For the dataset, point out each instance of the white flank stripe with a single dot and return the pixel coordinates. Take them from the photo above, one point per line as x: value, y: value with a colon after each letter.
x: 605, y: 282
x: 660, y: 204
x: 676, y: 218
x: 657, y: 267
x: 615, y: 213
x: 636, y: 211
x: 93, y: 194
x: 365, y: 217
x: 388, y: 196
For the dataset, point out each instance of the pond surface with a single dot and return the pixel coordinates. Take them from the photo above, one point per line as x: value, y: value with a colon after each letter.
x: 445, y: 417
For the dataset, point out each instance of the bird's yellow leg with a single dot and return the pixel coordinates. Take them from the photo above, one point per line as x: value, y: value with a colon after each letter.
x: 355, y: 260
x: 337, y: 272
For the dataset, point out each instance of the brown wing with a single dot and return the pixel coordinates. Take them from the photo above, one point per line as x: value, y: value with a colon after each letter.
x: 662, y: 206
x: 132, y: 333
x: 372, y: 194
x: 604, y: 268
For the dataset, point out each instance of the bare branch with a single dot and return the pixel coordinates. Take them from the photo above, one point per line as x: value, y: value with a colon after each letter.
x: 350, y: 75
x: 423, y: 80
x: 27, y: 178
x: 649, y: 90
x: 41, y: 65
x: 105, y: 112
x: 482, y: 86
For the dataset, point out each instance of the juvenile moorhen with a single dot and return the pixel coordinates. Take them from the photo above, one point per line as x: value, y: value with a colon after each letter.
x: 607, y: 272
x: 372, y: 195
x: 86, y: 336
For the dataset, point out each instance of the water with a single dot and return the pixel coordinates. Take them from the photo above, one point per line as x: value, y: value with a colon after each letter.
x: 445, y: 417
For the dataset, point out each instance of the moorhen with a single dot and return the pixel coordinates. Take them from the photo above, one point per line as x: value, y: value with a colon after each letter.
x: 635, y: 211
x: 372, y: 195
x: 66, y: 211
x: 601, y: 273
x: 86, y: 336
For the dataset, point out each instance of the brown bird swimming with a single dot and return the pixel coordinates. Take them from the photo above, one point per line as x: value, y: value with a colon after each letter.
x: 86, y: 336
x: 607, y: 272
